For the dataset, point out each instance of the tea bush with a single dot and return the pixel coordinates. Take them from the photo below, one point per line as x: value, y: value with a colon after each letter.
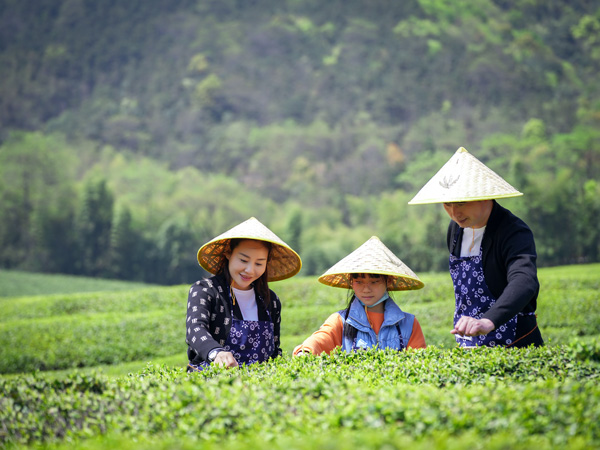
x: 441, y: 397
x: 547, y: 395
x: 65, y: 331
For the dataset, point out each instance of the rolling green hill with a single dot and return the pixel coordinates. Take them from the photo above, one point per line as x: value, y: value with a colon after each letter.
x: 436, y: 398
x: 15, y: 283
x: 88, y: 329
x: 132, y: 133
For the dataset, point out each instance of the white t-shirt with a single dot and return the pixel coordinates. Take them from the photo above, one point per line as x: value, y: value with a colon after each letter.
x: 471, y: 241
x: 247, y: 302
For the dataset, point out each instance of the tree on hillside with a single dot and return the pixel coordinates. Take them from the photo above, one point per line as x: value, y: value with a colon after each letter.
x: 36, y: 186
x: 93, y: 229
x: 124, y: 247
x: 176, y: 261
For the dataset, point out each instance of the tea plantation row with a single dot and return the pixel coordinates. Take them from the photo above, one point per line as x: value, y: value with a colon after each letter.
x: 438, y: 398
x: 90, y: 329
x: 547, y: 398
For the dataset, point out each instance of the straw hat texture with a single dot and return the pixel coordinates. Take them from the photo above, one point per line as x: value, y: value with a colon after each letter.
x: 283, y: 262
x: 372, y: 257
x: 464, y: 179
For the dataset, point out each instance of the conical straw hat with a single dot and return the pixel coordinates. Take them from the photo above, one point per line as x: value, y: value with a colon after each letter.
x: 283, y: 262
x: 464, y: 179
x: 372, y: 257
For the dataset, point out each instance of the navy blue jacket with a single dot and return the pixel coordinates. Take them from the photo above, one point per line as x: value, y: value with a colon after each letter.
x: 509, y: 267
x: 208, y: 320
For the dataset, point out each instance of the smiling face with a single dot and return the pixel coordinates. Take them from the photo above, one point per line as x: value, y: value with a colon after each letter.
x: 470, y: 214
x: 246, y: 263
x: 369, y: 289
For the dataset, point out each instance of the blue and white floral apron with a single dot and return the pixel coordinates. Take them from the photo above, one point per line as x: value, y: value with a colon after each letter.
x: 249, y: 341
x: 473, y: 299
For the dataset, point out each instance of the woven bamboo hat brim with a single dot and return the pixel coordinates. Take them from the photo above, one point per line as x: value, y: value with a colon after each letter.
x: 372, y: 257
x: 464, y: 179
x: 283, y: 262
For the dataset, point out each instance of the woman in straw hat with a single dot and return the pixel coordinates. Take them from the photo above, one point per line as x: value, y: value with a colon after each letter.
x: 233, y: 317
x: 492, y: 255
x: 372, y: 318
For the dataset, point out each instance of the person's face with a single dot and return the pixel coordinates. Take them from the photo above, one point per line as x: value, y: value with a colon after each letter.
x: 369, y: 290
x: 469, y: 214
x: 247, y: 262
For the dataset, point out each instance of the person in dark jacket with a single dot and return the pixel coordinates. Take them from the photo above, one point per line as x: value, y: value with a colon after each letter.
x: 233, y: 318
x: 492, y: 256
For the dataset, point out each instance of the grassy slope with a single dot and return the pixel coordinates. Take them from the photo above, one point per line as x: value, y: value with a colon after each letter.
x: 19, y: 284
x: 441, y: 399
x: 108, y: 328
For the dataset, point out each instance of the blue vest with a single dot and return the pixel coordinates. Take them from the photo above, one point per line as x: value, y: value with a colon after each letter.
x: 395, y: 331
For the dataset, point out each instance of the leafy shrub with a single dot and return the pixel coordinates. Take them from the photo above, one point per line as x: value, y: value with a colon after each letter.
x: 540, y: 395
x: 89, y: 329
x: 585, y: 350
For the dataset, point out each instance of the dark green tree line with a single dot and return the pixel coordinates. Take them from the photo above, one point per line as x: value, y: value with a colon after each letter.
x: 132, y: 132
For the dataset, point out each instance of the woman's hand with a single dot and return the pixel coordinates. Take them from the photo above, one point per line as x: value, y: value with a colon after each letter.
x: 469, y: 326
x: 225, y: 359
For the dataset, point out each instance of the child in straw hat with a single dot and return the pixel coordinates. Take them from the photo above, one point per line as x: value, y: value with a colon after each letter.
x: 233, y: 318
x: 372, y: 318
x: 492, y: 256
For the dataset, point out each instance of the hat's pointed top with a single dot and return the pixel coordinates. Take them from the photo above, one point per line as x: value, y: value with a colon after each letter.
x: 375, y: 258
x: 464, y: 179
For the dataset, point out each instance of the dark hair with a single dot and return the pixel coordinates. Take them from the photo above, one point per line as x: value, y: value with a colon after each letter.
x: 350, y: 331
x: 261, y: 285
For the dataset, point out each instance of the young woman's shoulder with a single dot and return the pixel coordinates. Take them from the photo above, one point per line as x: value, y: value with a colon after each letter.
x: 214, y: 284
x: 275, y: 301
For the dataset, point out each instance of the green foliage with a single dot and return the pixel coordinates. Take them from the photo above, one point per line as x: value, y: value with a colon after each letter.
x: 23, y: 284
x: 36, y: 199
x: 587, y: 30
x: 90, y: 329
x: 342, y: 439
x: 543, y: 394
x: 93, y: 227
x: 441, y: 398
x: 198, y: 115
x: 57, y: 332
x: 124, y: 246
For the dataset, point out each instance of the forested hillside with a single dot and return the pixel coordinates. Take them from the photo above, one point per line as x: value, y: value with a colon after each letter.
x: 133, y: 131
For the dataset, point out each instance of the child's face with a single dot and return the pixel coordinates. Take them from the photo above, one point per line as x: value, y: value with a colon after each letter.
x: 369, y: 290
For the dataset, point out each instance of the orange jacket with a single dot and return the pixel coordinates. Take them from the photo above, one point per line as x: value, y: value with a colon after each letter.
x: 330, y: 335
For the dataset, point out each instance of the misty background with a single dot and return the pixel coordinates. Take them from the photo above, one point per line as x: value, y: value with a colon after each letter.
x: 131, y: 132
